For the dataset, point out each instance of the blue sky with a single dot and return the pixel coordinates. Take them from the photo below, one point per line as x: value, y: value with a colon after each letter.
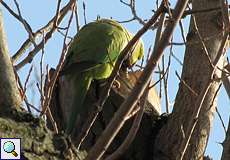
x: 38, y: 13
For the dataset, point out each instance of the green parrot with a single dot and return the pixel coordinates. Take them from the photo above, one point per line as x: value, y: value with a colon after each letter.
x: 92, y: 56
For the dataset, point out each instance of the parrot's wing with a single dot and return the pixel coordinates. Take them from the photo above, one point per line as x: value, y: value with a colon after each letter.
x: 95, y: 44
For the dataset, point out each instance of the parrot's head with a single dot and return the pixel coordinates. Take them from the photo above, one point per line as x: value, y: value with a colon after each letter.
x: 137, y: 53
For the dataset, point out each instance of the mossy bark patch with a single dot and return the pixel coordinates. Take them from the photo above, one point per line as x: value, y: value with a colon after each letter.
x: 38, y: 143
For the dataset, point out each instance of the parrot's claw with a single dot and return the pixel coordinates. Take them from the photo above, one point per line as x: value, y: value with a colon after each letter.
x: 116, y: 84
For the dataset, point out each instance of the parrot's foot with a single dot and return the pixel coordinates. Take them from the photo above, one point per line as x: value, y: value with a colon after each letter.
x: 116, y: 84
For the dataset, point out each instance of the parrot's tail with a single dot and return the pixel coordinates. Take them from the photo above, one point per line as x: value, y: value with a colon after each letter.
x: 83, y: 81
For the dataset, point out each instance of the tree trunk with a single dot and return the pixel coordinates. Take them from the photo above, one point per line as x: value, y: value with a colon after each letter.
x: 9, y: 93
x: 196, y: 72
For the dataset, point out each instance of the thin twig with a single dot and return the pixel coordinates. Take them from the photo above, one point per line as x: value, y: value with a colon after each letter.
x: 165, y: 84
x: 186, y: 85
x: 41, y: 71
x: 159, y: 80
x: 25, y: 88
x: 221, y: 120
x: 218, y: 113
x: 165, y: 80
x: 27, y: 80
x: 159, y: 30
x: 43, y: 98
x: 127, y: 21
x: 20, y: 19
x: 215, y: 95
x: 41, y: 44
x: 190, y: 12
x: 202, y: 41
x: 177, y: 59
x: 30, y: 105
x: 162, y: 75
x: 157, y: 39
x: 15, y: 15
x: 54, y: 124
x: 55, y: 24
x: 26, y: 25
x: 63, y: 34
x: 84, y: 12
x: 133, y: 113
x: 132, y: 6
x: 21, y: 90
x: 77, y: 17
x: 182, y: 31
x: 197, y: 42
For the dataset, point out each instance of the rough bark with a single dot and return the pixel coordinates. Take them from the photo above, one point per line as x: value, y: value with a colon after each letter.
x: 196, y: 72
x: 37, y: 142
x: 9, y: 94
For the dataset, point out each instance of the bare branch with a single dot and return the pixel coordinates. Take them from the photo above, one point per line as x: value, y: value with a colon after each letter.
x: 222, y: 121
x: 27, y: 80
x: 202, y: 42
x: 55, y: 25
x: 77, y: 17
x: 47, y: 28
x: 190, y: 12
x: 84, y: 9
x: 186, y: 85
x: 132, y: 6
x: 182, y: 31
x: 218, y: 113
x: 21, y: 19
x: 26, y: 25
